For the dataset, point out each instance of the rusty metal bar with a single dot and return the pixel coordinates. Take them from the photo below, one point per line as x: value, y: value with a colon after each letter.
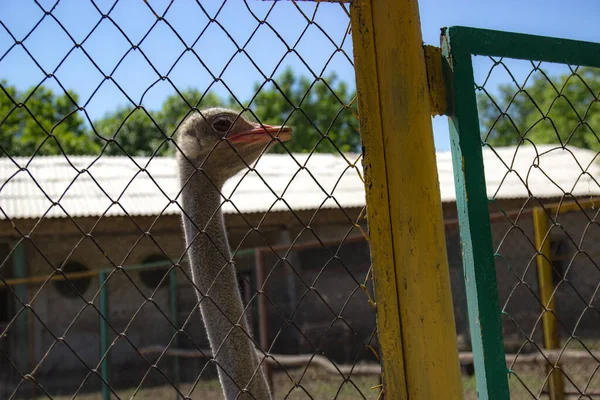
x: 263, y: 311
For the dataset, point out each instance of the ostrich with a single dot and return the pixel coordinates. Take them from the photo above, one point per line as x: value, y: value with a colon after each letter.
x: 216, y: 144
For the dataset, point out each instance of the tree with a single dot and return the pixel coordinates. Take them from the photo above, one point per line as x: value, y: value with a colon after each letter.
x: 38, y: 121
x: 129, y: 131
x: 566, y: 111
x: 318, y: 116
x: 9, y: 118
x: 136, y: 131
x: 317, y: 111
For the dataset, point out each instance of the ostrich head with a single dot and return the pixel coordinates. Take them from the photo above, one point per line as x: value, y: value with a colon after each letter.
x: 222, y: 142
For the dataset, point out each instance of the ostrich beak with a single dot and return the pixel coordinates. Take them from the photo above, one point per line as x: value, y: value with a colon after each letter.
x: 262, y: 134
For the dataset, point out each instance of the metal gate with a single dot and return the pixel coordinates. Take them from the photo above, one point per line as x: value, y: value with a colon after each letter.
x: 484, y: 257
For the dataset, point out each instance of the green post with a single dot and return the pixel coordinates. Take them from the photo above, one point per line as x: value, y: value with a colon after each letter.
x: 173, y: 304
x: 19, y: 267
x: 104, y: 339
x: 475, y: 230
x: 458, y: 45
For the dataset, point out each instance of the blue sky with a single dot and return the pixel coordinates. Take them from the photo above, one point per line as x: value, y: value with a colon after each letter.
x: 140, y: 77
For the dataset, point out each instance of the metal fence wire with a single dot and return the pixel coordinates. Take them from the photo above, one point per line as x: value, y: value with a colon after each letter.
x: 99, y: 292
x: 543, y: 200
x: 120, y: 121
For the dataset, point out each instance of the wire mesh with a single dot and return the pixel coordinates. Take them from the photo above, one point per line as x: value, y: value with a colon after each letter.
x: 96, y: 292
x: 540, y: 126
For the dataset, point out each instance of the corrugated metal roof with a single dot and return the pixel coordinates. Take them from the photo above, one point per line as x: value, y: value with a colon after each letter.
x: 81, y: 186
x: 542, y: 171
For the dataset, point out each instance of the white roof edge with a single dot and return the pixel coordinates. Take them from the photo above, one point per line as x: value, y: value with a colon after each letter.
x: 511, y: 172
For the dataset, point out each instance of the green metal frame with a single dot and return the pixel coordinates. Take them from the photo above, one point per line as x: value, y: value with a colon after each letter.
x: 19, y: 267
x: 104, y: 336
x: 459, y: 44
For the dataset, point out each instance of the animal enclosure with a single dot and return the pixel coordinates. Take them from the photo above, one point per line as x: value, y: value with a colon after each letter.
x: 97, y: 291
x: 242, y: 198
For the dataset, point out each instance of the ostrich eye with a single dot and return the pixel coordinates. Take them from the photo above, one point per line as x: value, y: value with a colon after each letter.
x: 221, y: 123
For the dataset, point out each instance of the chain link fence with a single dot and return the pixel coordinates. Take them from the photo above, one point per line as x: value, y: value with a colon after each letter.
x: 239, y: 118
x: 540, y: 126
x: 100, y: 293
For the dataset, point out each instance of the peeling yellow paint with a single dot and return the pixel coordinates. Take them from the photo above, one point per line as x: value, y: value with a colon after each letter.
x: 414, y: 304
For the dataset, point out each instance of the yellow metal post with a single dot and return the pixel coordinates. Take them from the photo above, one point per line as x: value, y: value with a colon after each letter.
x: 415, y: 316
x: 546, y: 290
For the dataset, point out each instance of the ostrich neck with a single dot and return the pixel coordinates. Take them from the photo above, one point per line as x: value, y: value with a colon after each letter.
x: 214, y: 275
x: 204, y: 226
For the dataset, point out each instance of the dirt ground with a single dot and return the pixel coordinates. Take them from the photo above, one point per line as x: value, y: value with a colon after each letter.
x: 312, y: 384
x: 526, y: 382
x: 581, y: 381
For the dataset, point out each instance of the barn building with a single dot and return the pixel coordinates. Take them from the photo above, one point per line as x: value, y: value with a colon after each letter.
x: 297, y: 228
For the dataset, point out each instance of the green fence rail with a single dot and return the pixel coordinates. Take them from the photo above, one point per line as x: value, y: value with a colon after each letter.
x: 459, y: 45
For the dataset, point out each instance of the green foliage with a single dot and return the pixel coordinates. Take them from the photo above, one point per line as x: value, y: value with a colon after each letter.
x: 137, y: 131
x: 317, y: 111
x: 318, y: 115
x: 38, y: 120
x: 318, y: 119
x: 177, y: 107
x: 565, y: 111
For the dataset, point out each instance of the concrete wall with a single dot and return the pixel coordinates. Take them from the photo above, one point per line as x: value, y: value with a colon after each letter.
x: 316, y: 300
x: 576, y: 255
x: 64, y: 332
